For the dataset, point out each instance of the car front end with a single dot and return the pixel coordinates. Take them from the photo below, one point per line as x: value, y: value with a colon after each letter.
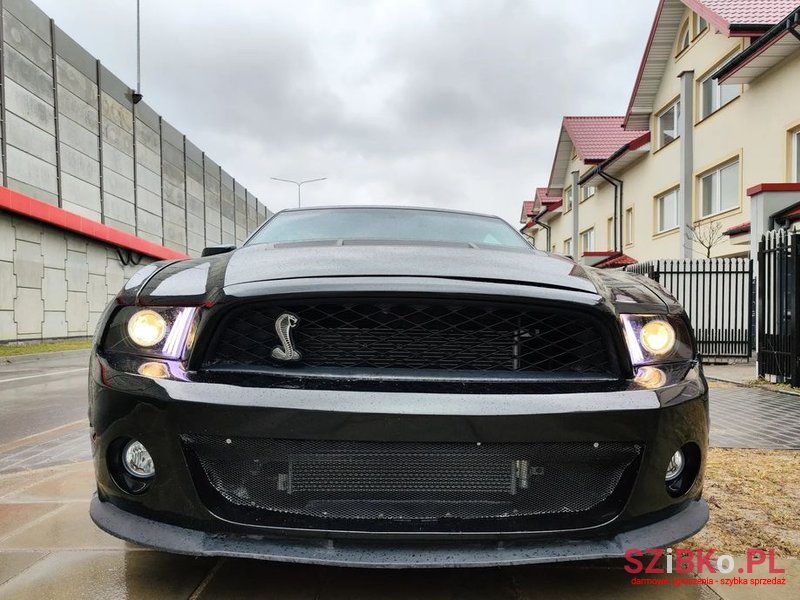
x: 393, y: 416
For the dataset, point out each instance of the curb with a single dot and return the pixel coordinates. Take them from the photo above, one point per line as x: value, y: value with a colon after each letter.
x: 34, y: 356
x: 754, y: 387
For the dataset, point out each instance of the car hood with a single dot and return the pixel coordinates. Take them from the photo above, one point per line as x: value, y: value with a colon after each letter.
x: 204, y: 278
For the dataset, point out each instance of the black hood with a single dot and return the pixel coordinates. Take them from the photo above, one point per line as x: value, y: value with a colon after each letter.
x: 204, y: 278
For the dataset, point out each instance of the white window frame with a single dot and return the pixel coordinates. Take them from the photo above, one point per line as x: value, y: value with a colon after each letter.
x: 716, y: 102
x: 796, y: 156
x: 660, y: 227
x: 684, y: 34
x: 568, y: 199
x: 629, y: 226
x: 610, y: 233
x: 568, y: 247
x: 716, y: 174
x: 585, y: 191
x: 587, y: 234
x: 675, y: 119
x: 697, y: 29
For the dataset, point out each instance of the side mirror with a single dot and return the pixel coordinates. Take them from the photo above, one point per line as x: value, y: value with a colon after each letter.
x: 219, y: 249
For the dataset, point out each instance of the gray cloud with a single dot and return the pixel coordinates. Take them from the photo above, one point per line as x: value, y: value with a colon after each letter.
x: 421, y: 102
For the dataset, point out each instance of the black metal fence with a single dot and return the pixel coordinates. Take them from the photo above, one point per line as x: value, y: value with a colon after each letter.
x: 779, y: 306
x: 717, y: 294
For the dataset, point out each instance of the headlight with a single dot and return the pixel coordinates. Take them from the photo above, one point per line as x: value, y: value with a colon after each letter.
x: 158, y: 332
x: 146, y: 328
x: 654, y: 339
x: 657, y: 337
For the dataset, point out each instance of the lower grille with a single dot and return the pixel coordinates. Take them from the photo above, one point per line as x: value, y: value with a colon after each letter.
x: 377, y: 486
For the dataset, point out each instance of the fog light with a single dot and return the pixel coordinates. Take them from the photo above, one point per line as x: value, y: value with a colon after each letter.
x: 156, y: 370
x: 146, y: 328
x: 137, y: 460
x: 675, y: 466
x: 657, y: 337
x: 650, y: 377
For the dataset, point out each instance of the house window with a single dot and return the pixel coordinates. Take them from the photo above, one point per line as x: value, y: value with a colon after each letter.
x: 568, y: 199
x: 629, y: 226
x: 796, y: 157
x: 610, y: 233
x: 683, y: 38
x: 666, y: 211
x: 568, y: 247
x: 719, y: 190
x: 668, y: 124
x: 587, y: 240
x: 715, y: 96
x: 588, y: 191
x: 700, y: 25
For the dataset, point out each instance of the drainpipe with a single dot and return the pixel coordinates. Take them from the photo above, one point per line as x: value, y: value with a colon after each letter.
x: 686, y: 131
x: 545, y: 226
x: 619, y: 188
x: 576, y: 252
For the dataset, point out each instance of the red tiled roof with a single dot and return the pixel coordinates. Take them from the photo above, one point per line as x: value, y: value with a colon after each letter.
x: 738, y: 229
x: 527, y: 210
x: 597, y: 138
x: 617, y: 260
x: 743, y: 12
x: 543, y: 197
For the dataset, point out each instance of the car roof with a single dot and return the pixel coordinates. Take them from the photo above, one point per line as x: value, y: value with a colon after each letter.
x: 388, y: 207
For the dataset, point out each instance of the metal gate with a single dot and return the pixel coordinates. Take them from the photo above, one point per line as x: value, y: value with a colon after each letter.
x: 717, y: 294
x: 779, y: 306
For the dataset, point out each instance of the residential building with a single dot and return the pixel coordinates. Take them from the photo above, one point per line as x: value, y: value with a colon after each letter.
x: 710, y: 141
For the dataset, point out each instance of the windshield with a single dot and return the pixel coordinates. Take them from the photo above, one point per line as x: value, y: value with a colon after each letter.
x: 387, y: 224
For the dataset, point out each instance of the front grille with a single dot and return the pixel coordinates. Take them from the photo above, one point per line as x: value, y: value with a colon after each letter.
x: 389, y: 486
x: 417, y: 336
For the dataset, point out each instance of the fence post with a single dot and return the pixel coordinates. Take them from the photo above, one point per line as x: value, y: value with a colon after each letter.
x: 794, y: 321
x: 760, y: 303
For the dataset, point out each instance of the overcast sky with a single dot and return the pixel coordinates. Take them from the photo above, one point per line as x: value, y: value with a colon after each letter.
x: 443, y: 103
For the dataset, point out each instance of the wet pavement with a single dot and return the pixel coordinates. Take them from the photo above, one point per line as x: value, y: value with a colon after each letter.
x: 49, y: 548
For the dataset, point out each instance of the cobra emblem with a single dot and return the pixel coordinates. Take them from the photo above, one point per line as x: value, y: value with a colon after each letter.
x: 283, y: 327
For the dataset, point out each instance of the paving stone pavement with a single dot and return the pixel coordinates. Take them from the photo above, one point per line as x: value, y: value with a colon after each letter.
x: 743, y: 417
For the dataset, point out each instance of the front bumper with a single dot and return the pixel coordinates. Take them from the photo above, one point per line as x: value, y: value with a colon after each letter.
x: 394, y: 554
x: 172, y: 514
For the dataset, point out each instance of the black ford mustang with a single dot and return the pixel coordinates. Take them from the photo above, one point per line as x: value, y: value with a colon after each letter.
x: 396, y: 387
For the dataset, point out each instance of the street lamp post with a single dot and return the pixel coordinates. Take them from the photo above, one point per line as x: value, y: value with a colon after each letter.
x: 298, y: 184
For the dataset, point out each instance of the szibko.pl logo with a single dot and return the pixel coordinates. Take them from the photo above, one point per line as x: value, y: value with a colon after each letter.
x: 705, y: 563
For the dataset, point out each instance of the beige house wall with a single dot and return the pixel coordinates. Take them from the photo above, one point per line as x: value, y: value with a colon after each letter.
x: 755, y: 127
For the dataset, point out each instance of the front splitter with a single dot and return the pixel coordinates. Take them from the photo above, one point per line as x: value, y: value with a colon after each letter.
x: 396, y: 555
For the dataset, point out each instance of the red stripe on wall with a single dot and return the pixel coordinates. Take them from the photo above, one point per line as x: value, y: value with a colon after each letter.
x: 52, y: 215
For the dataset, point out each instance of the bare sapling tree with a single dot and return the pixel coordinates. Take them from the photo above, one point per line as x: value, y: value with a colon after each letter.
x: 707, y: 236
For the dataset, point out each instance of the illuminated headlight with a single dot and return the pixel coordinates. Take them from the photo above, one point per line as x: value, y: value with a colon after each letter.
x: 161, y: 332
x: 653, y: 339
x: 658, y: 337
x: 146, y: 328
x: 650, y: 377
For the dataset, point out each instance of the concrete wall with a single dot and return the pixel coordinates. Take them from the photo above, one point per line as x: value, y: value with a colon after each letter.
x: 53, y: 283
x: 72, y: 136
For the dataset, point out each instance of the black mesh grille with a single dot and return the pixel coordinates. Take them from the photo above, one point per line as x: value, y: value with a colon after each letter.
x: 413, y: 335
x: 412, y: 486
